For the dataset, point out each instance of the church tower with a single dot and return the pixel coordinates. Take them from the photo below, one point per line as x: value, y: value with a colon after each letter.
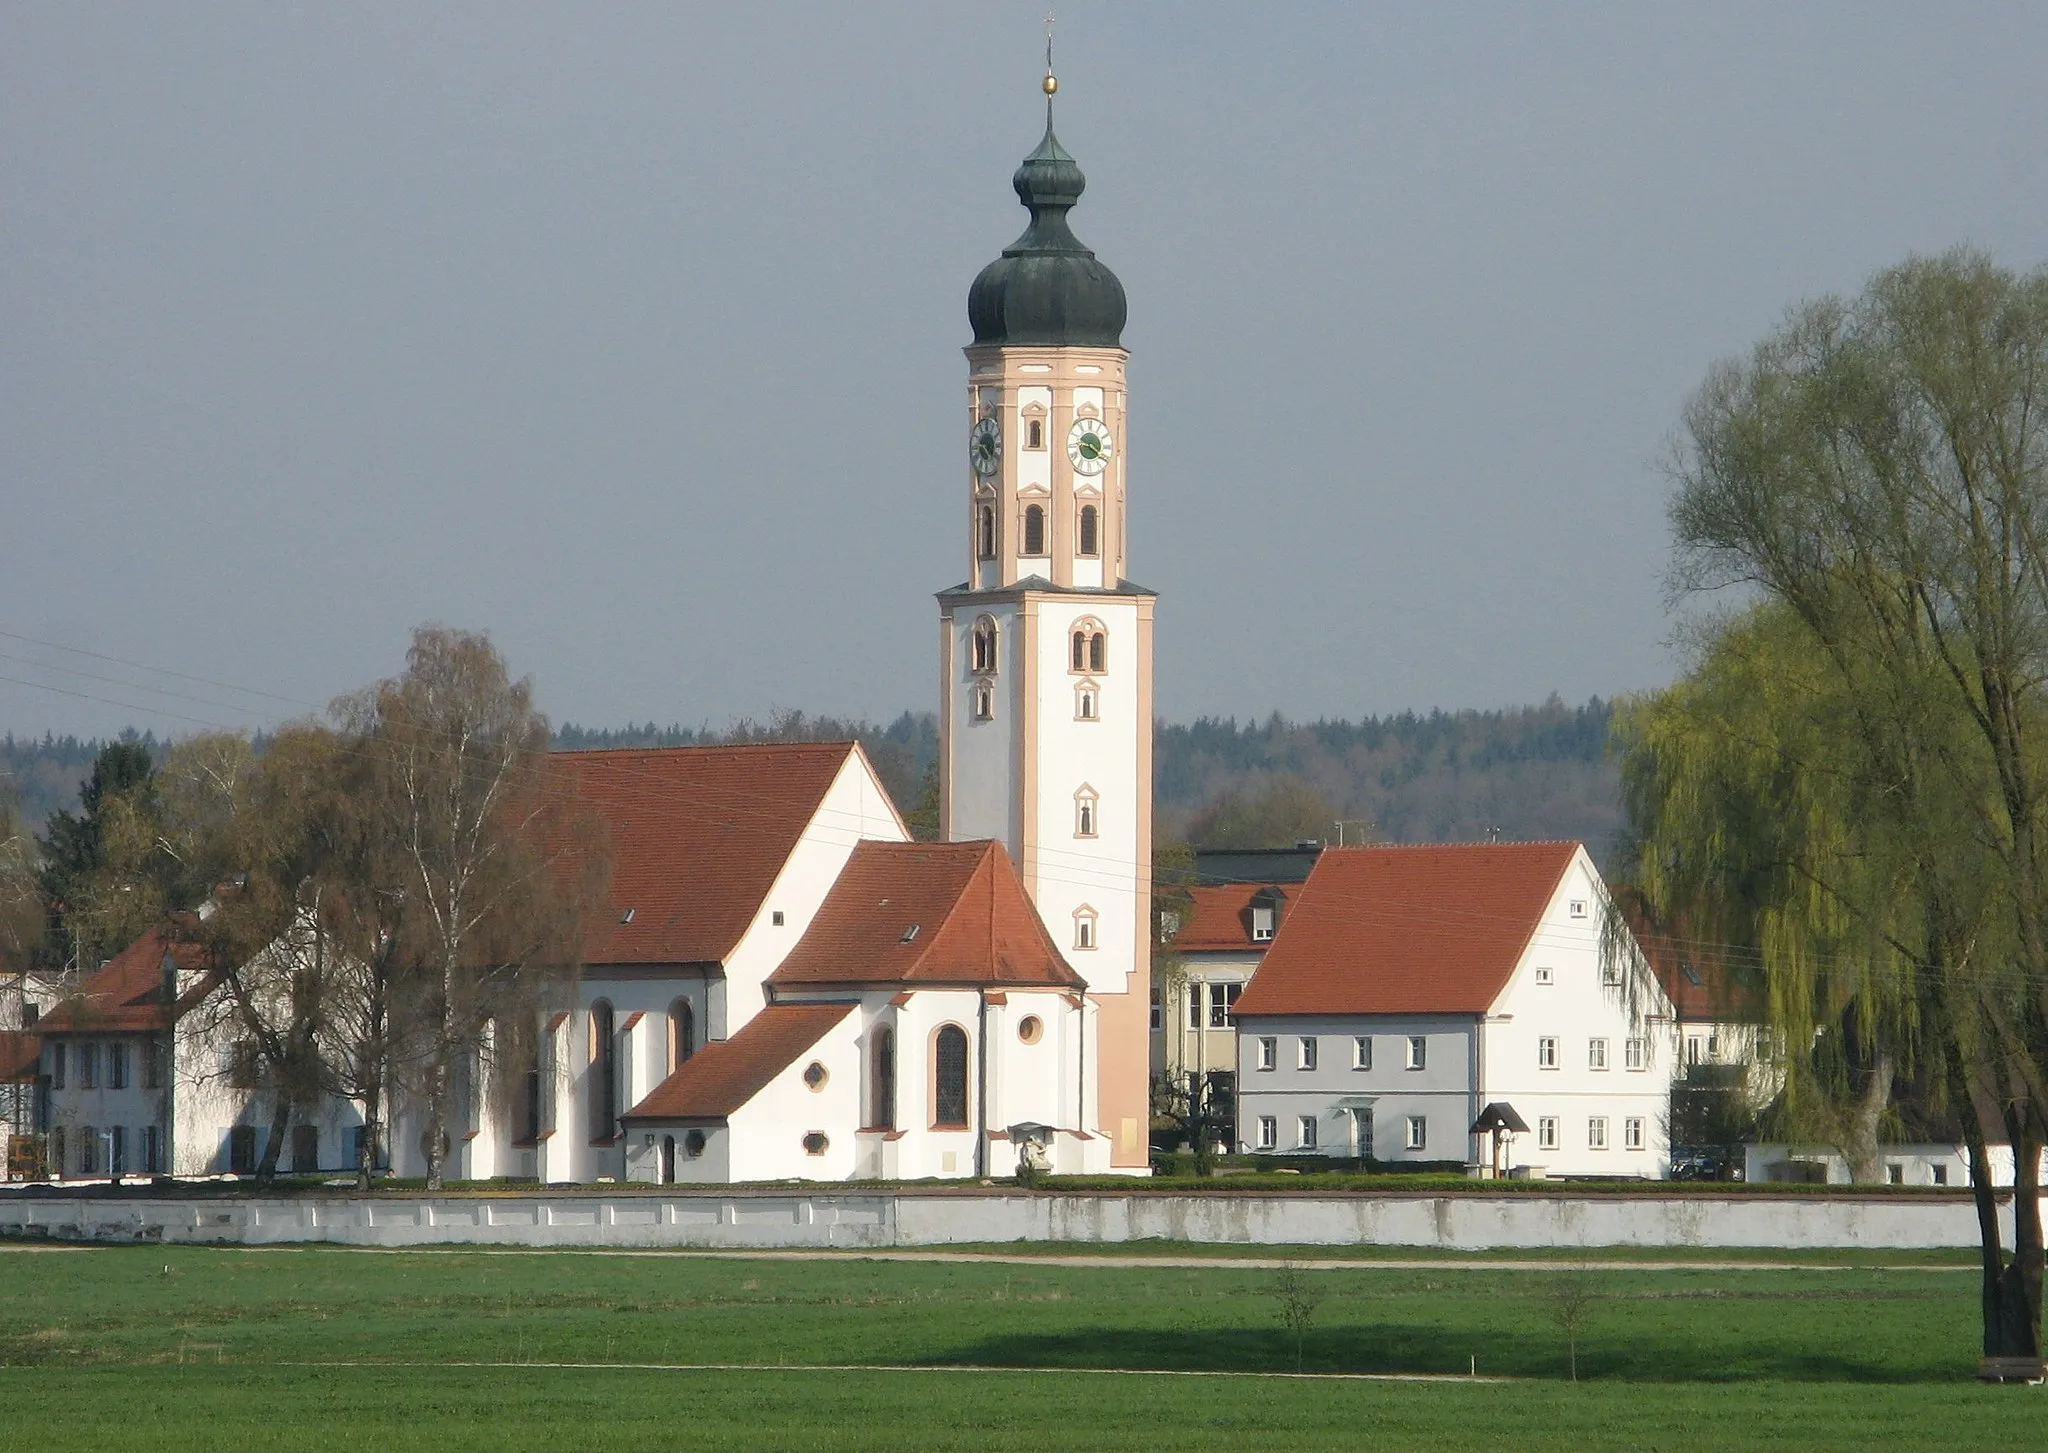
x: 1046, y: 649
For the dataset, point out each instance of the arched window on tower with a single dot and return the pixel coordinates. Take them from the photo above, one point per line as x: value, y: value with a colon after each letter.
x: 1034, y: 530
x: 985, y: 532
x: 882, y: 1080
x: 981, y: 649
x: 1086, y: 816
x: 1090, y: 531
x: 1087, y: 702
x: 984, y: 701
x: 1090, y: 647
x: 949, y: 1078
x: 1084, y: 927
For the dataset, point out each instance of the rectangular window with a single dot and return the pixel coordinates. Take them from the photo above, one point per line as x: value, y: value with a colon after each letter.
x: 1546, y: 1132
x: 1269, y: 1051
x: 1361, y: 1051
x: 1262, y: 924
x: 1418, y: 1052
x: 1543, y: 976
x: 59, y: 1053
x: 1084, y: 817
x: 1194, y: 1005
x: 1361, y: 1133
x: 1940, y: 1174
x: 1305, y: 1053
x: 117, y: 1066
x: 1546, y: 1053
x: 1084, y: 930
x: 242, y: 1150
x: 305, y: 1149
x: 88, y: 1066
x: 1269, y: 1131
x: 1632, y: 1133
x: 152, y: 1150
x: 152, y: 1063
x: 1305, y: 1132
x: 117, y: 1150
x: 88, y: 1151
x: 242, y: 1065
x: 1610, y: 975
x: 1222, y: 1000
x: 1596, y: 1133
x: 1155, y: 1007
x: 1578, y: 909
x: 1596, y: 1054
x: 1418, y: 1132
x: 1632, y: 1054
x: 1695, y: 1049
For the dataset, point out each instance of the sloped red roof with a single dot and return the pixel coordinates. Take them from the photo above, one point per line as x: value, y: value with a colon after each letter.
x: 20, y: 1052
x: 127, y: 996
x: 973, y: 922
x: 1695, y: 976
x: 1407, y: 930
x: 698, y: 835
x: 1218, y: 916
x: 725, y: 1074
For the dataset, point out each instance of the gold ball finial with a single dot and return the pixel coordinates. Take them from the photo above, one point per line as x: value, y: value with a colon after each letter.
x: 1052, y: 83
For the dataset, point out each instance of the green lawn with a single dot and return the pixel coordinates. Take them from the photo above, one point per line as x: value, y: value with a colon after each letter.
x: 199, y: 1348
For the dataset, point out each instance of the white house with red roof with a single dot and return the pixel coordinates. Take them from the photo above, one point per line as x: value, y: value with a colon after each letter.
x: 1409, y: 990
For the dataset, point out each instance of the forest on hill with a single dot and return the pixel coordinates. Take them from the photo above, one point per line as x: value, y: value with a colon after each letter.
x: 1441, y: 776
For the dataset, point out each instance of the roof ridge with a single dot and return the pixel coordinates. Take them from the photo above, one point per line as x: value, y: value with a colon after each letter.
x: 704, y: 748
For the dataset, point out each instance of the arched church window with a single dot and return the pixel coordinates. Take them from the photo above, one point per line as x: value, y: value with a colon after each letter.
x: 1087, y: 702
x: 981, y: 648
x: 1034, y: 530
x: 1034, y: 433
x: 1089, y: 530
x: 602, y: 1084
x: 1098, y: 651
x: 882, y: 1080
x: 985, y: 532
x: 984, y: 701
x: 949, y: 1078
x: 682, y: 1033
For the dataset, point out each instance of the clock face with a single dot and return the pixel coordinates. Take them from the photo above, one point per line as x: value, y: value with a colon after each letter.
x: 1089, y: 446
x: 985, y: 447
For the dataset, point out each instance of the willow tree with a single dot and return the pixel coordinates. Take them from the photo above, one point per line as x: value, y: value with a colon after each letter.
x: 1878, y: 468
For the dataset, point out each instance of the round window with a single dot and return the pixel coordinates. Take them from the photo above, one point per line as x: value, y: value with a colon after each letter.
x: 815, y: 1143
x: 815, y: 1075
x: 693, y: 1144
x: 1029, y: 1029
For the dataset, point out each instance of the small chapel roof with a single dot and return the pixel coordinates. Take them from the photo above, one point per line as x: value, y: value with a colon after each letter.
x: 1435, y: 929
x: 925, y: 913
x: 722, y: 1076
x: 698, y: 836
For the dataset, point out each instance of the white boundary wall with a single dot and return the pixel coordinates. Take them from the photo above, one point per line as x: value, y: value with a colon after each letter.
x: 882, y: 1219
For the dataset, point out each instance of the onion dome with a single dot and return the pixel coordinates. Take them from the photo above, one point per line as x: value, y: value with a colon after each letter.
x: 1047, y: 288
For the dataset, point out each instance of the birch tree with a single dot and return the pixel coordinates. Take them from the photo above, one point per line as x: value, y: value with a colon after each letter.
x: 495, y: 867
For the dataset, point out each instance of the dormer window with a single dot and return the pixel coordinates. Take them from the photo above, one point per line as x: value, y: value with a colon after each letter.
x: 981, y: 646
x: 1264, y: 916
x: 1262, y: 923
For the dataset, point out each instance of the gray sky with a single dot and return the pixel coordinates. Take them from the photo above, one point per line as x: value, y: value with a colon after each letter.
x: 631, y: 333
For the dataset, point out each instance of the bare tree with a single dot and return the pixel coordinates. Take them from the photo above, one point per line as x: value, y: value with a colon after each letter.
x: 494, y: 865
x: 1568, y: 1301
x: 1299, y: 1294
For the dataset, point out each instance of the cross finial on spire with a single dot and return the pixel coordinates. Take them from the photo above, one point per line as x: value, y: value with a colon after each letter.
x: 1052, y: 82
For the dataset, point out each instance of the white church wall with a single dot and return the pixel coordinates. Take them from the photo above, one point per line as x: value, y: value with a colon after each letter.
x: 983, y: 803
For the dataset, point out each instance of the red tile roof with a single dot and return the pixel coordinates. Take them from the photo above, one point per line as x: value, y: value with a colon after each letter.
x: 725, y: 1074
x: 1407, y: 930
x: 973, y: 922
x: 1218, y: 916
x: 127, y: 996
x: 20, y: 1052
x: 698, y: 835
x: 1695, y: 976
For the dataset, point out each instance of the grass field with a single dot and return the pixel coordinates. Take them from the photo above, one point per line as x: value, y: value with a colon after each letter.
x: 300, y: 1348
